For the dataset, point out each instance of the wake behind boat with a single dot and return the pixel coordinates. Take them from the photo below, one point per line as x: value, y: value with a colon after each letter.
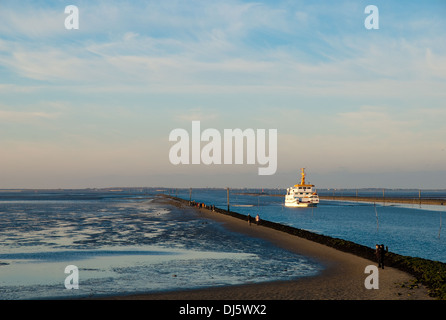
x: 301, y: 195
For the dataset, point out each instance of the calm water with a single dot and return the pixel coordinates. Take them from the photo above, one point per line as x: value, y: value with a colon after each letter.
x: 412, y: 230
x: 123, y: 243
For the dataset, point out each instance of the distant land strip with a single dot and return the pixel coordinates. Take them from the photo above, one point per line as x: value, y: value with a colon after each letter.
x: 438, y: 202
x: 432, y: 201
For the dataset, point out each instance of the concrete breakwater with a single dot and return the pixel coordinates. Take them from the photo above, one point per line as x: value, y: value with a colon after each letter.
x: 429, y: 272
x: 336, y: 243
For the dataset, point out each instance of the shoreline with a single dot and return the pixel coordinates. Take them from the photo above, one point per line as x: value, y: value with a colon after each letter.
x: 342, y: 278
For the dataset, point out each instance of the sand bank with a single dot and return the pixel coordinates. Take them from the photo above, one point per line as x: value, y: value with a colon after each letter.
x: 342, y: 278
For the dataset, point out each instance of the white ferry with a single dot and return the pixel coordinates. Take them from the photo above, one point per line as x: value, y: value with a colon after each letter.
x: 301, y: 195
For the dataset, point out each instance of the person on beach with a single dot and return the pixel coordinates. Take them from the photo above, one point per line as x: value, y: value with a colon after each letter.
x: 257, y: 219
x: 249, y: 219
x: 378, y: 255
x: 382, y: 254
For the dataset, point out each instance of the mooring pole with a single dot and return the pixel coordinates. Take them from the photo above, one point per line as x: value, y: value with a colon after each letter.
x: 227, y: 190
x: 377, y: 220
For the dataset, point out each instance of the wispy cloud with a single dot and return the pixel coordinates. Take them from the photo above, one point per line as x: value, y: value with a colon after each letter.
x: 215, y: 44
x: 19, y: 116
x: 196, y: 114
x: 376, y: 121
x: 30, y: 21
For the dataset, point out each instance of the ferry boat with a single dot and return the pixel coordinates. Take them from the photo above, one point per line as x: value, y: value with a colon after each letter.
x: 301, y: 195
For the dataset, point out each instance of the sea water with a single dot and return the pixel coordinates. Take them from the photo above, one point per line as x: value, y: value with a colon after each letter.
x: 407, y: 229
x: 125, y: 242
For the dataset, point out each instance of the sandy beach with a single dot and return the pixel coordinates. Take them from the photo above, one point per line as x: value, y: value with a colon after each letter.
x: 342, y: 278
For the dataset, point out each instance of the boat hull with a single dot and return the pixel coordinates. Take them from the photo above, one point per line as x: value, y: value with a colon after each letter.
x: 299, y: 204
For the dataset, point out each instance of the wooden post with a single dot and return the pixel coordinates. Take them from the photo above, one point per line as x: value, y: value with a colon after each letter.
x: 376, y: 214
x: 227, y: 190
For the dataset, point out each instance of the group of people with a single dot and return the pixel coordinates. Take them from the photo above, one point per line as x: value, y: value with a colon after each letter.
x: 250, y: 219
x: 201, y: 205
x: 212, y: 207
x: 379, y: 254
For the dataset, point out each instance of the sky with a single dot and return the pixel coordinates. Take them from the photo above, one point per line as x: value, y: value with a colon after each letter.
x: 93, y: 107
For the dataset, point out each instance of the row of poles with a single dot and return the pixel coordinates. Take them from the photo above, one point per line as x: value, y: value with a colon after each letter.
x: 227, y: 191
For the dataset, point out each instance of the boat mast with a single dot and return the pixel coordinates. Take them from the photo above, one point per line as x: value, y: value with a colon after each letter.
x: 302, y: 182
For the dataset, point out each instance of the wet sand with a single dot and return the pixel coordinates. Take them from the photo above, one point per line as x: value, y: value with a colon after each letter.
x: 342, y: 278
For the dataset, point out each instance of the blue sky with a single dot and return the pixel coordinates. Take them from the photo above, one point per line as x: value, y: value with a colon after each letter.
x: 94, y: 107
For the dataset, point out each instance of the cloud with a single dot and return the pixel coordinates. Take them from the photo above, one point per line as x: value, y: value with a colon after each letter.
x: 14, y: 88
x: 20, y: 116
x: 376, y: 121
x: 220, y: 46
x: 199, y: 114
x: 436, y: 63
x: 30, y: 21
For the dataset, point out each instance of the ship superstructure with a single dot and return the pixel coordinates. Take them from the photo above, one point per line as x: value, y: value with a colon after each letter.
x: 301, y: 195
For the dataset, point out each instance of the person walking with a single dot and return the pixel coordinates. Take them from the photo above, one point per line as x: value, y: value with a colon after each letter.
x: 257, y: 219
x: 382, y: 254
x: 378, y: 255
x: 249, y: 219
